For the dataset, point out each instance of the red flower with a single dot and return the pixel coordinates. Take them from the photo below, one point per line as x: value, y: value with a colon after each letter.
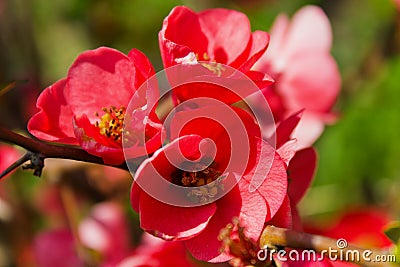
x: 306, y: 75
x: 301, y: 166
x: 219, y: 36
x: 88, y: 106
x: 363, y: 226
x: 198, y: 226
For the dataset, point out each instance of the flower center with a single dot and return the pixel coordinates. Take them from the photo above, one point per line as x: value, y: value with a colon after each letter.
x: 207, y: 175
x: 213, y: 66
x: 110, y: 124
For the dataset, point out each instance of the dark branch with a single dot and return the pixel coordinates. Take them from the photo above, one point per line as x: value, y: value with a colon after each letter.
x: 40, y: 149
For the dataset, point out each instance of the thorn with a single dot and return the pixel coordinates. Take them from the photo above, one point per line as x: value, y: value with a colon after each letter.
x: 36, y: 164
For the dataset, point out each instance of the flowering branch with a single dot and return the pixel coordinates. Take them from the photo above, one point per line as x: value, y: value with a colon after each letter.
x: 273, y: 237
x: 39, y: 150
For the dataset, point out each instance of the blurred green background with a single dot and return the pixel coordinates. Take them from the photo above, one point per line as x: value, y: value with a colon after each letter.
x: 359, y: 156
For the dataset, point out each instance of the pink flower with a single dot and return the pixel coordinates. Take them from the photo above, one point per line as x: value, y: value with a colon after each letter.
x: 87, y: 108
x: 105, y: 230
x: 306, y: 75
x: 8, y: 155
x: 56, y: 248
x: 198, y: 226
x: 219, y: 36
x: 157, y: 252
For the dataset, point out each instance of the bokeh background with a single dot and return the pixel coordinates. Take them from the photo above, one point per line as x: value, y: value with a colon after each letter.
x: 359, y: 156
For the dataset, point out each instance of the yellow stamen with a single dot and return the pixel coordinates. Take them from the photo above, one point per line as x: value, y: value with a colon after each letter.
x: 110, y: 124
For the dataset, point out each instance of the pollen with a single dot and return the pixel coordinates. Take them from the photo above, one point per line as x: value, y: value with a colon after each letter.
x: 206, y: 183
x: 207, y: 175
x: 111, y: 123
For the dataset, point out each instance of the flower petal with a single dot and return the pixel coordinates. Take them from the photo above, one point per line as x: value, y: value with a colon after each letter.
x: 273, y: 58
x: 143, y: 68
x: 223, y: 28
x: 309, y: 30
x: 172, y: 222
x: 273, y: 187
x: 287, y: 150
x: 283, y: 217
x: 54, y: 120
x: 181, y: 34
x: 286, y: 128
x: 206, y: 245
x: 259, y: 44
x: 253, y: 211
x: 310, y: 127
x: 300, y: 87
x: 301, y: 171
x: 99, y: 78
x: 94, y: 143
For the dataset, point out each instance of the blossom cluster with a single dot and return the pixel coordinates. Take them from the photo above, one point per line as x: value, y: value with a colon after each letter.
x: 236, y: 143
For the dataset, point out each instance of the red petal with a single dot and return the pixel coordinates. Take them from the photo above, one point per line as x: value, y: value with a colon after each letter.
x: 253, y: 211
x: 228, y: 33
x: 287, y: 151
x: 273, y: 187
x: 54, y: 120
x: 135, y: 196
x: 100, y: 78
x: 301, y: 88
x: 297, y: 222
x: 283, y: 218
x: 301, y: 171
x: 362, y: 226
x: 286, y: 128
x: 181, y: 34
x: 143, y: 68
x: 206, y: 245
x: 172, y: 222
x: 259, y: 44
x: 96, y: 144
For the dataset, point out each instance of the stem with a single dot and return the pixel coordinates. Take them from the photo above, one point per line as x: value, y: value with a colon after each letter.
x: 50, y: 150
x: 72, y: 212
x: 280, y: 237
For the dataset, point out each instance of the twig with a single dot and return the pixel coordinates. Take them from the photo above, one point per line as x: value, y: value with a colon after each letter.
x: 7, y: 88
x: 44, y: 150
x: 273, y: 237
